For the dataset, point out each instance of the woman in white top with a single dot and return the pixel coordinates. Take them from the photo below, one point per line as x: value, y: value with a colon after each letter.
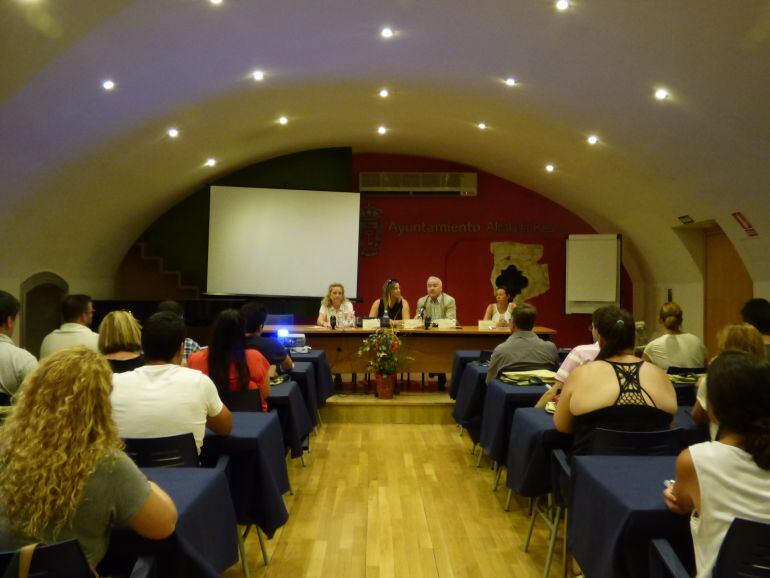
x: 336, y: 305
x: 719, y: 481
x: 675, y: 348
x: 501, y: 310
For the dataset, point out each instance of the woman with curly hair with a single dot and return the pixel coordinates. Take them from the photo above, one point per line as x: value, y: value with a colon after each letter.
x: 63, y: 473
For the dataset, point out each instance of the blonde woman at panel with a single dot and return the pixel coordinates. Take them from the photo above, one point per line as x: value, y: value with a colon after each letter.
x: 675, y: 348
x: 397, y: 306
x: 336, y: 305
x: 501, y: 311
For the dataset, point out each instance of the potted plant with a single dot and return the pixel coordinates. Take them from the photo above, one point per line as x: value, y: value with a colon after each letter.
x: 383, y: 346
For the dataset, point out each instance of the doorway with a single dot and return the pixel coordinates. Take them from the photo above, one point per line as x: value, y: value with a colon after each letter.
x: 41, y: 297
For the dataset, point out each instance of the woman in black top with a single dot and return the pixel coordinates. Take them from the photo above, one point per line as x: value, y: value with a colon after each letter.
x: 120, y: 341
x: 398, y: 307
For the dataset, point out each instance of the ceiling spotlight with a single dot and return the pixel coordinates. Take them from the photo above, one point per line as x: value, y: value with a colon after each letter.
x: 562, y: 5
x: 510, y: 81
x: 283, y: 120
x: 215, y: 2
x: 384, y: 93
x: 172, y: 132
x: 382, y: 130
x: 386, y: 32
x: 550, y: 168
x: 592, y: 140
x: 211, y: 162
x: 108, y: 84
x: 258, y: 75
x: 482, y: 125
x: 662, y: 94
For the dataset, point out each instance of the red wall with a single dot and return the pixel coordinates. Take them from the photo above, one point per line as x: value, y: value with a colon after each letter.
x: 462, y: 259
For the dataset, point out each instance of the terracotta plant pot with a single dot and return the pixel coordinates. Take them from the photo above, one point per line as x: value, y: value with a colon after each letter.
x: 385, y: 385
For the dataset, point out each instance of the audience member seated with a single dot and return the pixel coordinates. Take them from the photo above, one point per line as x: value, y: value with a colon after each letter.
x: 436, y: 304
x: 336, y: 305
x: 15, y: 363
x: 63, y: 474
x: 523, y: 350
x: 190, y: 345
x: 228, y: 363
x: 618, y: 391
x: 717, y: 482
x: 254, y: 316
x: 675, y: 348
x: 743, y: 337
x: 757, y: 313
x: 77, y: 312
x: 163, y: 398
x: 578, y: 356
x: 397, y: 306
x: 120, y: 341
x: 501, y: 311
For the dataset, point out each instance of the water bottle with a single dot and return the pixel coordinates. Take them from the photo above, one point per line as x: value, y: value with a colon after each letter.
x: 385, y: 319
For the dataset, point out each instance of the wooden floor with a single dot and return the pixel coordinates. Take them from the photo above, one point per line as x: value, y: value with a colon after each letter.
x: 403, y: 500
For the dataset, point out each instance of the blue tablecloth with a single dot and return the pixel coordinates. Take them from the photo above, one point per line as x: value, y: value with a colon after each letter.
x: 693, y: 433
x: 533, y: 436
x: 204, y: 543
x: 461, y: 359
x: 287, y: 400
x: 470, y: 398
x: 502, y: 400
x: 258, y: 474
x: 616, y: 508
x: 304, y: 374
x: 323, y: 373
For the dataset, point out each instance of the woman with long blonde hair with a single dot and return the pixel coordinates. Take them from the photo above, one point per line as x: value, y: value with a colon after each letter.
x: 120, y: 341
x: 63, y: 473
x: 336, y: 305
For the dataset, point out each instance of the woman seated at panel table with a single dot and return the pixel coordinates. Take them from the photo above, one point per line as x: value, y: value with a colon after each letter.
x: 730, y: 478
x: 675, y: 348
x: 120, y: 341
x: 397, y: 306
x: 336, y: 305
x: 501, y: 311
x: 63, y: 473
x: 617, y: 391
x: 232, y: 367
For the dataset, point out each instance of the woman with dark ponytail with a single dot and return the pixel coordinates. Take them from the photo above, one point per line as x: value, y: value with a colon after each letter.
x: 617, y: 391
x: 730, y: 478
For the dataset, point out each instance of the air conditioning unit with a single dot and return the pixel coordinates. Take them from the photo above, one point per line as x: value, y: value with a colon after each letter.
x: 419, y: 184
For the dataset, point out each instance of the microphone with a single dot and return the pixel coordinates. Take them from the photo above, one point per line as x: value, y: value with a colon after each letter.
x: 422, y: 310
x: 333, y: 321
x: 427, y: 322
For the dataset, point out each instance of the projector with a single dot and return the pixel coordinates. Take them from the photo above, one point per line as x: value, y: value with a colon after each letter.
x: 290, y: 339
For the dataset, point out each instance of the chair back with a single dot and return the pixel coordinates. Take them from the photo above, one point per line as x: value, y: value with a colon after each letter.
x: 250, y: 400
x: 609, y: 442
x: 177, y: 451
x: 745, y: 551
x: 59, y: 560
x: 674, y: 370
x: 280, y: 319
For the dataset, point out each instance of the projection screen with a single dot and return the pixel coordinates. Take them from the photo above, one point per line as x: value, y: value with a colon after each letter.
x: 282, y: 242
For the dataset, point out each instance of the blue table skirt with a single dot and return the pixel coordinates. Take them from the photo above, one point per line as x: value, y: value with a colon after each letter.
x: 470, y: 398
x: 304, y: 375
x: 204, y: 543
x: 616, y: 508
x: 287, y: 400
x: 323, y: 373
x: 502, y: 401
x: 258, y: 474
x: 533, y: 437
x: 461, y: 359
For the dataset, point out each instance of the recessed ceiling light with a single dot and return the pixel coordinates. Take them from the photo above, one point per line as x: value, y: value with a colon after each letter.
x: 173, y: 132
x: 283, y: 120
x: 382, y: 130
x: 108, y: 84
x: 386, y: 32
x: 258, y: 75
x: 482, y: 125
x: 662, y: 94
x: 216, y: 2
x: 550, y: 168
x: 211, y: 162
x: 562, y: 5
x: 384, y: 93
x: 510, y: 81
x: 592, y: 140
